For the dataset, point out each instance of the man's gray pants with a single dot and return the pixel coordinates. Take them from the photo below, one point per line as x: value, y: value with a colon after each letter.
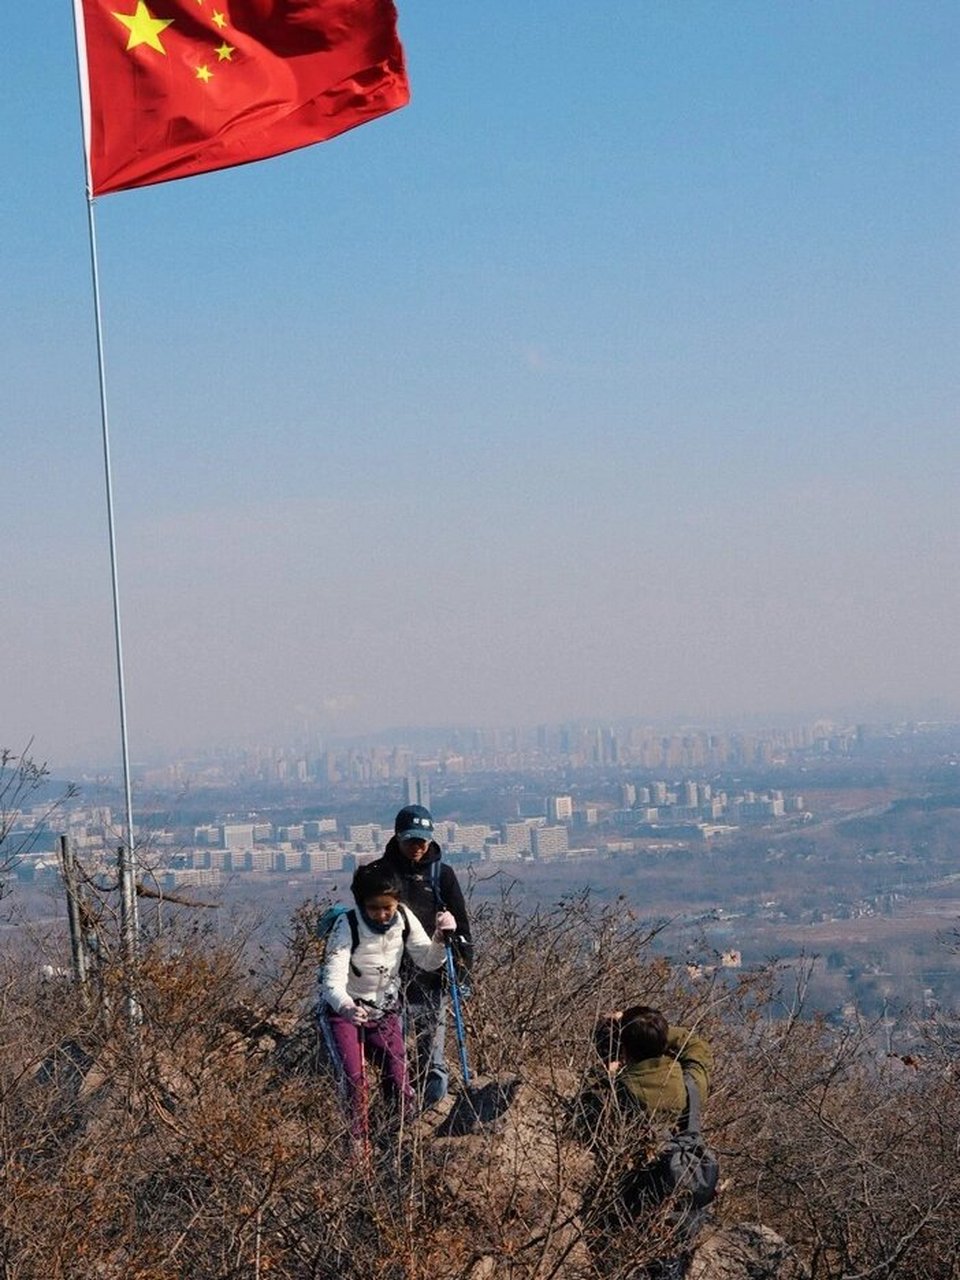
x: 426, y: 1018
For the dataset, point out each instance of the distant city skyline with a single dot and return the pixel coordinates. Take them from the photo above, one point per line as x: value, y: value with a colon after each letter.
x: 615, y: 377
x: 412, y: 750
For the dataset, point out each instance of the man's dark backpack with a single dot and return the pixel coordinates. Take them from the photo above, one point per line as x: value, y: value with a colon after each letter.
x: 686, y: 1171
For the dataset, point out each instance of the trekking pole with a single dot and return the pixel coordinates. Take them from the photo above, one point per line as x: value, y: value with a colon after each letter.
x: 454, y: 988
x: 457, y: 1013
x: 364, y: 1098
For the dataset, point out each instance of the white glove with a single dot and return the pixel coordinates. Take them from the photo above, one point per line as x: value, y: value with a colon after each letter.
x: 446, y: 923
x: 355, y: 1014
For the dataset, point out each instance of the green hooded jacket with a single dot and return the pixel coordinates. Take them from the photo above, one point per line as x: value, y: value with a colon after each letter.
x: 652, y: 1088
x: 655, y: 1085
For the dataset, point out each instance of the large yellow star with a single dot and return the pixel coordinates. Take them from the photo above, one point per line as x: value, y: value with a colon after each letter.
x: 144, y: 28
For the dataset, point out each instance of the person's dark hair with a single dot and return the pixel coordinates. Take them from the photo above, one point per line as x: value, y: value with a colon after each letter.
x: 373, y: 880
x: 606, y: 1037
x: 643, y: 1033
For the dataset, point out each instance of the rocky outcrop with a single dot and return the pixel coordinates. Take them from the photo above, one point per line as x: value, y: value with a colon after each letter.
x: 500, y: 1155
x: 747, y: 1251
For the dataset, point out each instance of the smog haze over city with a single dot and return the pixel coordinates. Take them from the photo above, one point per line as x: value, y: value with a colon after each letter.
x: 614, y: 378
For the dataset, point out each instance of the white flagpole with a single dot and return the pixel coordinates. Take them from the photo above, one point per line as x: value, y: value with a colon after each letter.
x: 128, y: 862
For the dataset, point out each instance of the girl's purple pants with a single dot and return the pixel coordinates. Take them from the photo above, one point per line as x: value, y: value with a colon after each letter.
x: 380, y: 1043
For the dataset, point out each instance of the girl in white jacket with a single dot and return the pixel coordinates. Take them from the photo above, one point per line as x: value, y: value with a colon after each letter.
x: 359, y: 987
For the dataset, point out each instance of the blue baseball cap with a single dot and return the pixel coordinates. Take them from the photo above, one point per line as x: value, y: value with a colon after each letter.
x: 413, y: 823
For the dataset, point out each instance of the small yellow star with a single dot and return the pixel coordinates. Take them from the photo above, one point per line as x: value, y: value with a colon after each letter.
x: 144, y: 28
x: 219, y: 19
x: 225, y: 52
x: 204, y: 73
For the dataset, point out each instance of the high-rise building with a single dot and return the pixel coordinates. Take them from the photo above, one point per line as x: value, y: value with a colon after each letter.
x: 559, y: 809
x: 315, y: 829
x: 365, y: 835
x: 516, y: 835
x: 468, y: 836
x: 418, y: 789
x: 549, y: 842
x: 237, y: 835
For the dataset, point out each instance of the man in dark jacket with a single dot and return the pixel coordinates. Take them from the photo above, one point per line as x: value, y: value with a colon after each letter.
x: 429, y: 886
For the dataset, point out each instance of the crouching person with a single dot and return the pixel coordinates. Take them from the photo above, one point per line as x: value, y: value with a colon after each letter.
x: 359, y: 990
x: 641, y: 1115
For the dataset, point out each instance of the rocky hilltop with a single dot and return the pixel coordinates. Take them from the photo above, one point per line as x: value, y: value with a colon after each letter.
x: 204, y: 1140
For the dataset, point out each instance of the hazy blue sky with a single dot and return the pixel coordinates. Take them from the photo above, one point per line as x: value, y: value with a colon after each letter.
x: 615, y: 376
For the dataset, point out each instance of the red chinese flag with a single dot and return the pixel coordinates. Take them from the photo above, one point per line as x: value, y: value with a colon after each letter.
x: 176, y: 87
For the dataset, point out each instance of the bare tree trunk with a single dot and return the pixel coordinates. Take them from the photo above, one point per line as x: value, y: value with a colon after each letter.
x: 69, y: 867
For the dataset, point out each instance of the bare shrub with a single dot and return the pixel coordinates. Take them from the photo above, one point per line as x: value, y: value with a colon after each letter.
x: 208, y: 1144
x: 835, y: 1145
x: 22, y: 778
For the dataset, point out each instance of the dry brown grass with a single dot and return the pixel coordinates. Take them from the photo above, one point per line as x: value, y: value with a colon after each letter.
x: 206, y: 1147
